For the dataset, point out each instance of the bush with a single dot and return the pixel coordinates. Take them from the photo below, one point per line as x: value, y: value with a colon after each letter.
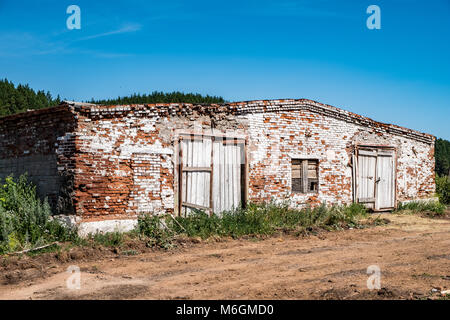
x: 155, y: 229
x: 255, y: 219
x: 25, y: 220
x: 443, y: 188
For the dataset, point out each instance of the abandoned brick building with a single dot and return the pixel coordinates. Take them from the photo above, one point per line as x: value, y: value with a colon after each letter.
x: 104, y: 165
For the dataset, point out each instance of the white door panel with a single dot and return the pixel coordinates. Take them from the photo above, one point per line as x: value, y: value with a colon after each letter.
x: 375, y: 178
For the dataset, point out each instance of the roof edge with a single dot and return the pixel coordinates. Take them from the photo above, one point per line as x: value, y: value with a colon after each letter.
x: 318, y: 107
x: 238, y: 107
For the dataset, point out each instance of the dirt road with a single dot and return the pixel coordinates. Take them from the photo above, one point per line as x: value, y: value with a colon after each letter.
x: 413, y: 254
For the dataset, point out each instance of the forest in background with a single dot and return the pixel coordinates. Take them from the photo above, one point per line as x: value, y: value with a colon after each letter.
x: 15, y: 99
x: 20, y: 98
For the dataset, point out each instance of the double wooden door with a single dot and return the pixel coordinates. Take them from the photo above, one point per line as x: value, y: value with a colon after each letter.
x: 212, y: 173
x: 375, y: 178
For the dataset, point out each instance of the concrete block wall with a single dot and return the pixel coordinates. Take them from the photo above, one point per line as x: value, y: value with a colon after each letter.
x: 36, y: 143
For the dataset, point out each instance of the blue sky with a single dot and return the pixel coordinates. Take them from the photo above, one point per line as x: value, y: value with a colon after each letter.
x: 241, y: 50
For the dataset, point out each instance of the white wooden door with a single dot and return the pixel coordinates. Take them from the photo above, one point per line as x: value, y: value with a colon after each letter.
x: 385, y: 183
x: 366, y: 178
x: 211, y: 173
x: 375, y: 178
x: 228, y: 157
x: 196, y: 174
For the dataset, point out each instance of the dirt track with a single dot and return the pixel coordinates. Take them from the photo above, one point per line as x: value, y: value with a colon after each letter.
x: 412, y: 252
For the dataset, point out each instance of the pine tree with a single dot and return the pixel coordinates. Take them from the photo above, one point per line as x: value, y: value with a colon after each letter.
x: 442, y: 154
x: 22, y: 98
x: 161, y: 97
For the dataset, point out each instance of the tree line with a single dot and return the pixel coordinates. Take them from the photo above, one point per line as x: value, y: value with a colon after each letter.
x: 161, y: 97
x: 20, y: 98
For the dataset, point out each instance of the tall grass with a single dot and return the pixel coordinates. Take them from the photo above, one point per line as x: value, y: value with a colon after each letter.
x: 431, y: 208
x: 25, y: 220
x: 255, y: 219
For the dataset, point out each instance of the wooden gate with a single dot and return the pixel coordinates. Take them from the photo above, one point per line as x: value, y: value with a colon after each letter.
x: 212, y: 171
x: 374, y: 173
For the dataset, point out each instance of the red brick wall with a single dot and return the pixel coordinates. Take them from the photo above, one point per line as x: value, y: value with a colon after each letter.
x: 117, y: 162
x: 277, y: 137
x: 125, y: 162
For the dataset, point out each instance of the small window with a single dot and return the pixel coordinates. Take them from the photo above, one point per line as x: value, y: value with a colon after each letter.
x: 305, y: 175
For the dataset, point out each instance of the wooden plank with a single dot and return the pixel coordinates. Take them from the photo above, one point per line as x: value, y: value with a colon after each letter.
x: 365, y: 177
x: 386, y: 153
x: 296, y: 173
x: 237, y: 176
x: 211, y: 177
x: 216, y: 176
x: 245, y: 175
x: 208, y: 175
x: 374, y: 183
x: 192, y: 138
x: 188, y: 177
x: 222, y: 177
x: 197, y: 169
x: 195, y: 206
x: 370, y: 153
x: 200, y: 188
x: 354, y: 177
x: 193, y: 190
x: 305, y: 175
x: 187, y: 135
x: 229, y: 178
x: 232, y: 141
x: 386, y: 182
x: 312, y: 174
x: 180, y: 179
x: 364, y: 200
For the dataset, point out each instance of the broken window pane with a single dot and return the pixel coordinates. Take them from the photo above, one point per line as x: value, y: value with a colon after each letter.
x: 305, y: 176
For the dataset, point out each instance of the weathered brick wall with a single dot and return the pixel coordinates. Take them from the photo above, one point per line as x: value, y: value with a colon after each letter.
x: 40, y: 143
x: 277, y: 137
x: 125, y: 160
x: 126, y: 156
x: 116, y: 162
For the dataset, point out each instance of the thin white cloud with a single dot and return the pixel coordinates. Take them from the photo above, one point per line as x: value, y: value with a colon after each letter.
x: 125, y: 29
x: 21, y: 44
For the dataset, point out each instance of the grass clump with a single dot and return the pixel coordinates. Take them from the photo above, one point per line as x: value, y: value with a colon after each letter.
x: 108, y: 239
x: 155, y: 230
x: 430, y: 208
x: 25, y: 220
x: 255, y: 219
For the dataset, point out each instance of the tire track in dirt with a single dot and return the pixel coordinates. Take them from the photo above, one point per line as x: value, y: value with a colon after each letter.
x: 412, y: 253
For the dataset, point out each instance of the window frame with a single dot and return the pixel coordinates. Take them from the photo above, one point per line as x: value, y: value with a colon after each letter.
x: 304, y: 162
